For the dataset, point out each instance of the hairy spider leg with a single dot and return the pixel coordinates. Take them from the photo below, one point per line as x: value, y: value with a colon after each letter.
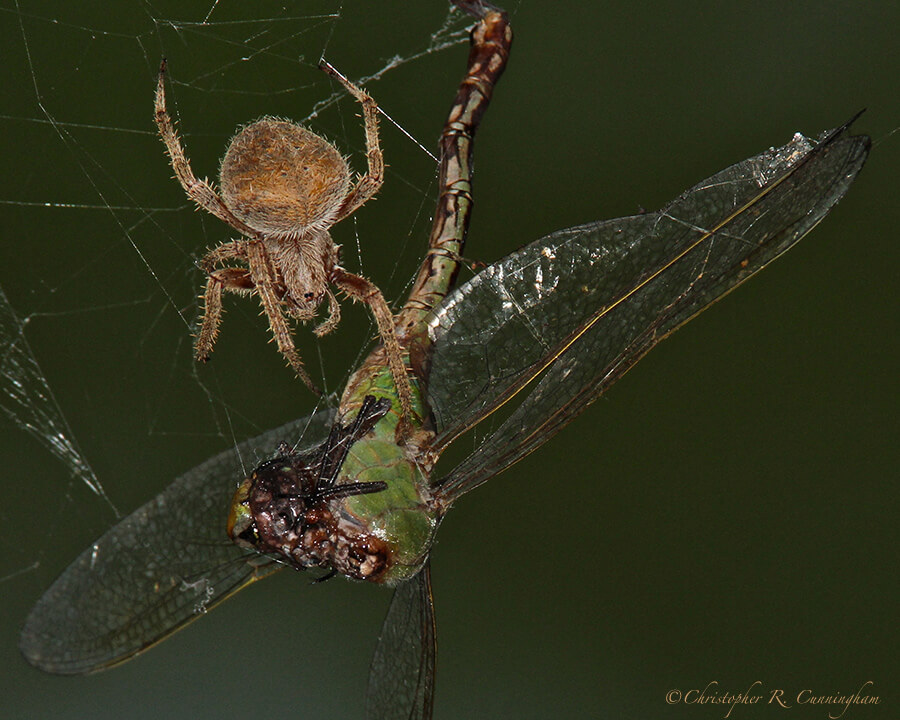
x: 367, y: 185
x: 199, y: 191
x: 356, y: 286
x: 263, y: 276
x: 363, y: 290
x: 236, y: 280
x: 241, y: 282
x: 334, y: 315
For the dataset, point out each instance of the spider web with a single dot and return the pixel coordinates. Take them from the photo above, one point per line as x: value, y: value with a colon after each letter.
x: 103, y: 283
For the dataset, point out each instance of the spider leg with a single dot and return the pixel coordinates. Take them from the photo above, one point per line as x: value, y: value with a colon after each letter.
x: 199, y: 191
x: 358, y: 288
x: 267, y: 288
x: 236, y: 280
x: 334, y: 316
x: 232, y: 250
x: 367, y: 185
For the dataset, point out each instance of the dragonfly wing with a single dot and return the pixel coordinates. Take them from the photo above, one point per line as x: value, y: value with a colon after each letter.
x: 401, y: 678
x: 155, y: 571
x: 585, y: 304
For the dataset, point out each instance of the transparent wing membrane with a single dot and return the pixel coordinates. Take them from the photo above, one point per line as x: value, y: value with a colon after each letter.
x: 155, y: 571
x: 585, y: 304
x: 401, y: 677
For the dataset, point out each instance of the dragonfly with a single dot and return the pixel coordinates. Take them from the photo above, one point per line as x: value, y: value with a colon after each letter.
x: 540, y: 333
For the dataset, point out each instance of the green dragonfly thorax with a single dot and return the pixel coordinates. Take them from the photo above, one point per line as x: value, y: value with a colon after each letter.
x: 357, y: 504
x: 404, y: 515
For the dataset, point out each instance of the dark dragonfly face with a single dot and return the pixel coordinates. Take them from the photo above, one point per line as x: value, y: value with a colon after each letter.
x: 276, y: 510
x: 290, y: 506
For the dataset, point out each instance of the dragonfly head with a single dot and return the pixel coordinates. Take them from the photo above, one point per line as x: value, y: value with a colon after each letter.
x: 289, y: 506
x: 280, y: 509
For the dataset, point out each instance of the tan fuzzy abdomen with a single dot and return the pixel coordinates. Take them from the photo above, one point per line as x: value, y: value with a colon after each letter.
x: 283, y: 180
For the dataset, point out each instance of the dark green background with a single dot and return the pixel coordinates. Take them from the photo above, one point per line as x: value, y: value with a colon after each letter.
x: 727, y: 513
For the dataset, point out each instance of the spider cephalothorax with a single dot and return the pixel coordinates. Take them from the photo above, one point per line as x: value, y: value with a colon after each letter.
x: 283, y: 186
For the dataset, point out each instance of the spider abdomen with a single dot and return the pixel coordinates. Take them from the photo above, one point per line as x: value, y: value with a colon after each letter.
x: 282, y: 179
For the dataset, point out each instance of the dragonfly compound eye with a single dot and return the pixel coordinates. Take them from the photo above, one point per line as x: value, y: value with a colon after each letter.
x: 241, y: 528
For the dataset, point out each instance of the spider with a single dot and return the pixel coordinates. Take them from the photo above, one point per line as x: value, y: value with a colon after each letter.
x: 282, y: 187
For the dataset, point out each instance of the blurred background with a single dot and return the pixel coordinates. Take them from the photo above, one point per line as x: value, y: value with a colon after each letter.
x: 727, y: 513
